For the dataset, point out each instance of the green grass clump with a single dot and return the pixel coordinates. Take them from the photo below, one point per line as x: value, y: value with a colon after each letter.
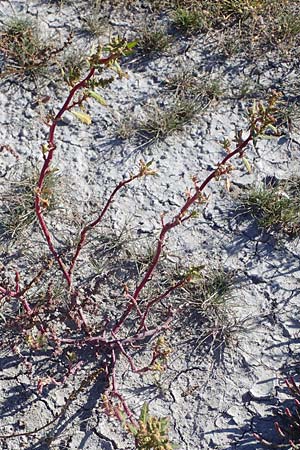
x: 208, y: 312
x: 276, y: 208
x: 213, y: 290
x: 186, y: 84
x: 162, y: 121
x: 286, y: 28
x: 190, y: 21
x: 153, y: 39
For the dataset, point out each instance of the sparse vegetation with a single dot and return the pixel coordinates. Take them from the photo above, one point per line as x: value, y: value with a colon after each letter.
x: 190, y: 21
x: 111, y: 301
x: 190, y: 96
x: 153, y: 39
x: 241, y: 26
x: 161, y: 121
x: 276, y: 207
x: 25, y: 53
x: 39, y: 334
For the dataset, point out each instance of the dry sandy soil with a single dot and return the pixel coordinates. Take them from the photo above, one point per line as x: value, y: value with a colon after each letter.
x: 233, y: 339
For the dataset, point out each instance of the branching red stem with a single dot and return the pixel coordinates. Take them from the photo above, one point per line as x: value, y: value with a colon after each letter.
x: 47, y: 163
x: 94, y: 223
x: 177, y: 220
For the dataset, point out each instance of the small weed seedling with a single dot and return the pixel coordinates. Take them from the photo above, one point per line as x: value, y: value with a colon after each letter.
x: 151, y: 433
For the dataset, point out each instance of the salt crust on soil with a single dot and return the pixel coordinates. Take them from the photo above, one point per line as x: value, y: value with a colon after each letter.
x: 214, y: 399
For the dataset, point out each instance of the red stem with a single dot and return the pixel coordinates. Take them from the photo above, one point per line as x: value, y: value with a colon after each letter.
x: 177, y: 220
x: 93, y: 224
x: 45, y: 169
x: 46, y: 166
x: 158, y: 299
x: 139, y: 336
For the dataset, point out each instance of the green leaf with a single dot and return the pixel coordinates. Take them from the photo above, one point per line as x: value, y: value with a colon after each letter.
x: 272, y: 128
x: 133, y: 430
x: 83, y: 117
x: 144, y: 413
x: 247, y: 165
x: 117, y: 68
x: 132, y: 44
x: 98, y: 98
x: 45, y: 148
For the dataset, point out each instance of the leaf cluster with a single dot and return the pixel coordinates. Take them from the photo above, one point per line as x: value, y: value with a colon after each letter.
x: 151, y: 433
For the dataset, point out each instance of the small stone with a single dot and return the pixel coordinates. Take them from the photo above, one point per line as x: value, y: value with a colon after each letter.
x: 67, y: 119
x: 23, y: 132
x: 262, y: 390
x: 29, y: 113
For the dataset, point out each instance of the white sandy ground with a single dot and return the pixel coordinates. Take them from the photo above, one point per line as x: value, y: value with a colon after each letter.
x: 215, y: 399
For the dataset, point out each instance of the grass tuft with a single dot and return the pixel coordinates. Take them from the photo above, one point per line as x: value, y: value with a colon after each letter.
x: 95, y: 21
x: 208, y: 301
x: 212, y: 291
x: 190, y: 21
x: 276, y: 208
x: 185, y: 83
x: 24, y: 52
x: 153, y: 39
x: 162, y: 121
